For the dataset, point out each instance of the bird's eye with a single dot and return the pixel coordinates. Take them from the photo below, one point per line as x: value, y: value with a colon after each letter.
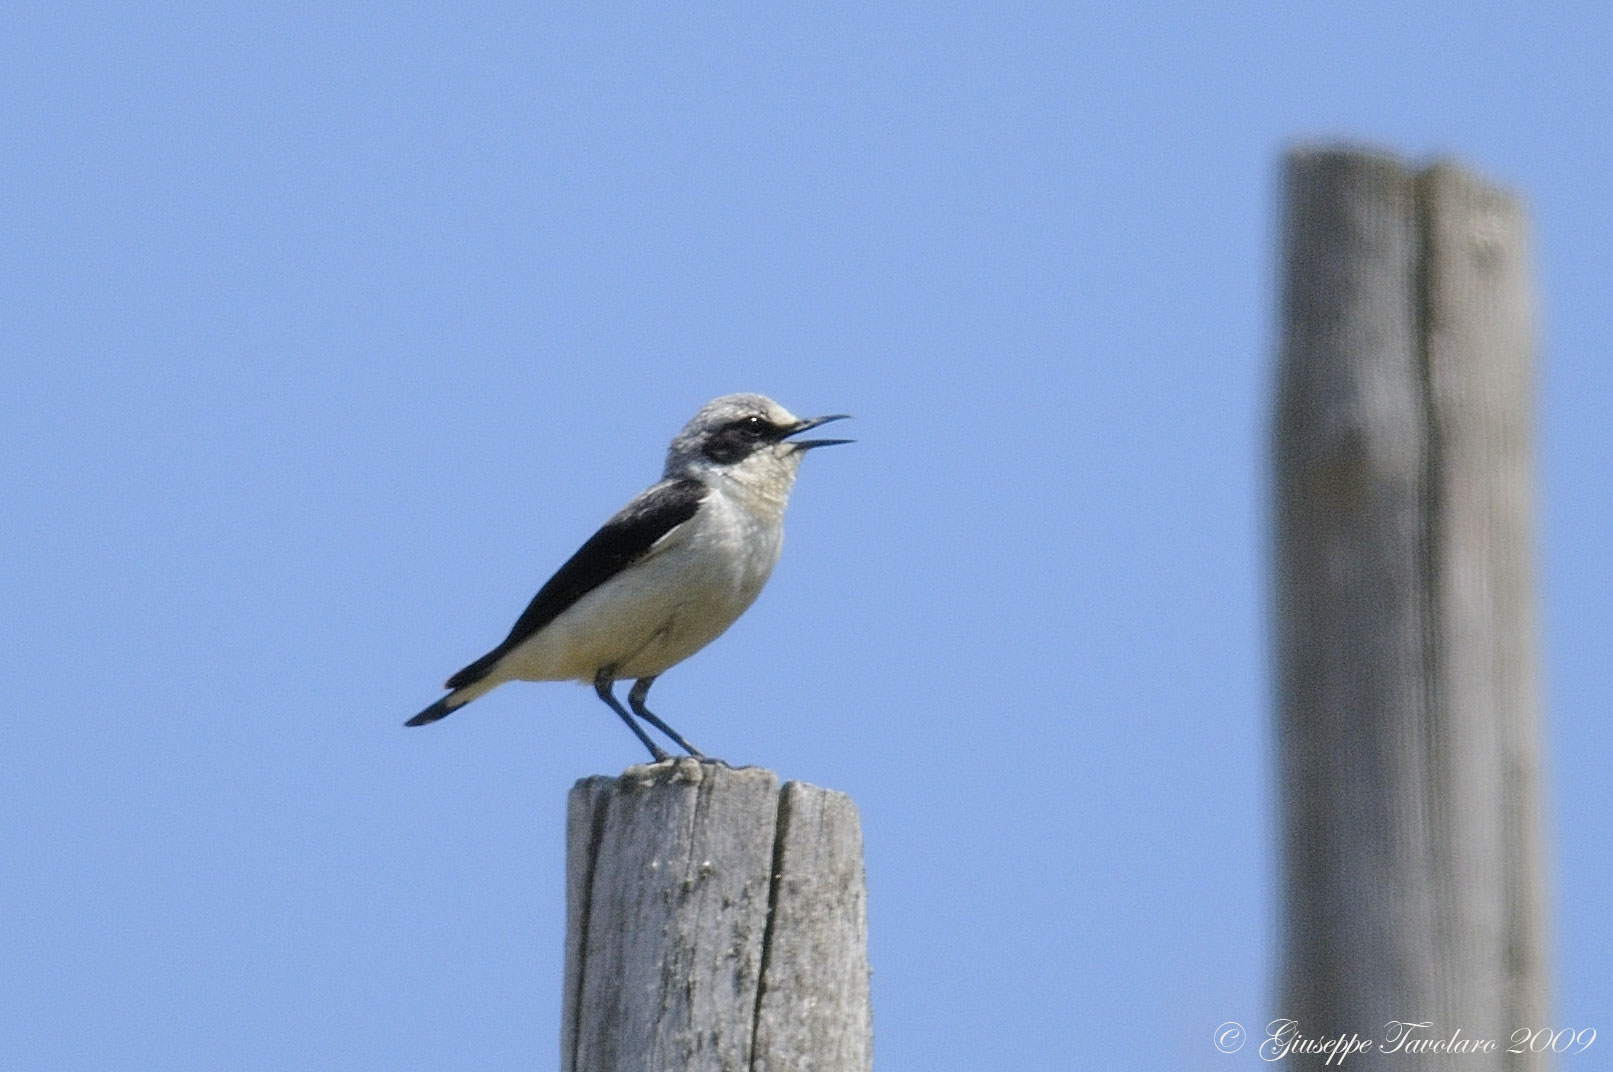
x: 753, y: 425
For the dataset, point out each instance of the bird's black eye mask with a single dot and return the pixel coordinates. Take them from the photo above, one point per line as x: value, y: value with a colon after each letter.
x: 740, y: 438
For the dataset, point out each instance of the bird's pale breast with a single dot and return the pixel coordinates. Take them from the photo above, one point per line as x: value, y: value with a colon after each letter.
x: 681, y: 597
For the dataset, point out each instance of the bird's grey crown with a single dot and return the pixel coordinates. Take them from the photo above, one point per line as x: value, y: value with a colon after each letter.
x: 726, y: 431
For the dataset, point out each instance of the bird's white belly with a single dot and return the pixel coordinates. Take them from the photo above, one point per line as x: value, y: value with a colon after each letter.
x: 658, y: 612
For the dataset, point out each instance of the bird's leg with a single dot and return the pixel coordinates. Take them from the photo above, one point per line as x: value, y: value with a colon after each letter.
x: 603, y: 683
x: 635, y: 700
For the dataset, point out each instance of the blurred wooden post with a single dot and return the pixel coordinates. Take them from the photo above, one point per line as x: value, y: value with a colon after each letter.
x: 714, y: 922
x: 1410, y: 768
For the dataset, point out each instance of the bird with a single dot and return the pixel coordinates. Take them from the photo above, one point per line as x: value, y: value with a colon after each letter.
x: 664, y: 577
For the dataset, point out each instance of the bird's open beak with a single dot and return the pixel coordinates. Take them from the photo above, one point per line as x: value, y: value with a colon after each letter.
x: 813, y: 422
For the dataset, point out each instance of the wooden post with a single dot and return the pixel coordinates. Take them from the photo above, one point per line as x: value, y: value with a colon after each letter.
x: 1413, y: 871
x: 714, y: 922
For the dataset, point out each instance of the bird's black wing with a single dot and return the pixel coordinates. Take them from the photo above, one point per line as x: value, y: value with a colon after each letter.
x: 620, y: 542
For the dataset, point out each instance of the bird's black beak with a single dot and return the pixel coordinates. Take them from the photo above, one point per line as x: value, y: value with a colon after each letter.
x: 813, y: 422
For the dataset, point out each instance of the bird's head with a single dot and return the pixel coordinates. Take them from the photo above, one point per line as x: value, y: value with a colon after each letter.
x: 746, y: 437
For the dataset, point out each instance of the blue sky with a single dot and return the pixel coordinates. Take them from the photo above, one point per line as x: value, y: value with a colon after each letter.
x: 331, y: 330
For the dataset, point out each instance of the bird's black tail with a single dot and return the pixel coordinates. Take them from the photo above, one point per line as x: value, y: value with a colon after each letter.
x: 440, y: 709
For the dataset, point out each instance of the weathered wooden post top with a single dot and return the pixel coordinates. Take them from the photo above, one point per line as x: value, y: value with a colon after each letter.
x: 1413, y: 881
x: 714, y: 921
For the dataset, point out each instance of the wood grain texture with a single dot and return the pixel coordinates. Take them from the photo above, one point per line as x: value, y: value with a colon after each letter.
x: 1479, y: 341
x: 585, y: 813
x: 813, y: 1012
x: 1404, y: 623
x: 1358, y: 898
x: 704, y: 923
